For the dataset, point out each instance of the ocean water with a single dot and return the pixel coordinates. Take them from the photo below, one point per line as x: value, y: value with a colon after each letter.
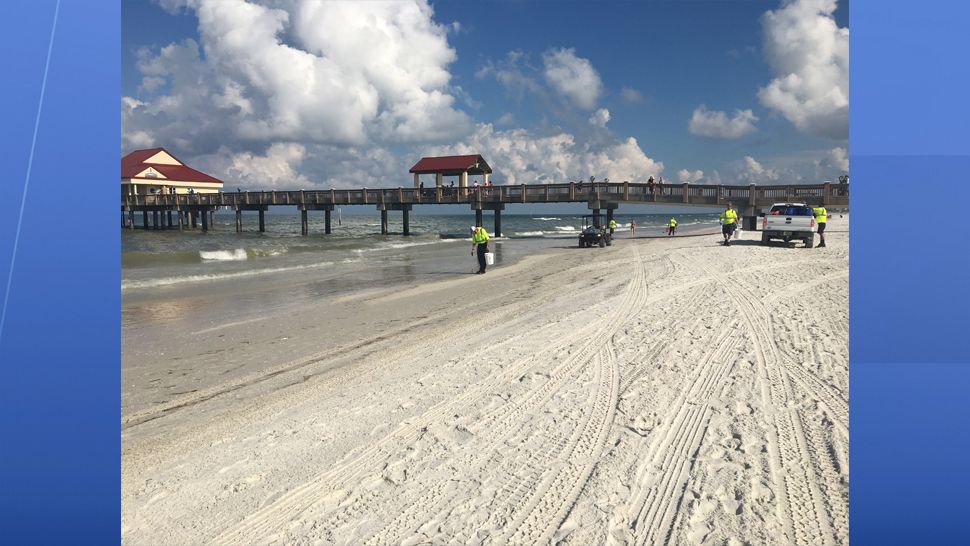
x: 169, y: 264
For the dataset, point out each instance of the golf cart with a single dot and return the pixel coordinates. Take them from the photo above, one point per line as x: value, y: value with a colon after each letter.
x: 594, y: 234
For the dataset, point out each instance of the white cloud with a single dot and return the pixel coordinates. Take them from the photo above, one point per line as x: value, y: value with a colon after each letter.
x: 600, y: 117
x: 809, y: 54
x: 631, y: 96
x: 341, y: 73
x: 715, y: 124
x: 690, y: 177
x: 505, y: 119
x: 833, y: 163
x: 572, y: 77
x: 750, y: 171
x: 520, y: 156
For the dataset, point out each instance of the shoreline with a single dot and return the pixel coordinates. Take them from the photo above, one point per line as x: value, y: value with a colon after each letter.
x: 622, y: 338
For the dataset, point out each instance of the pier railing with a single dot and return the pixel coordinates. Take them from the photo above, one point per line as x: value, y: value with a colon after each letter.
x: 495, y: 196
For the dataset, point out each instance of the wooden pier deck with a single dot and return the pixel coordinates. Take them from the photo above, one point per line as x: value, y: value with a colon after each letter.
x: 598, y: 196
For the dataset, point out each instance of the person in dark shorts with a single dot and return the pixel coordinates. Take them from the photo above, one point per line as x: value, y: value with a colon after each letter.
x: 820, y: 218
x: 480, y: 245
x: 729, y: 222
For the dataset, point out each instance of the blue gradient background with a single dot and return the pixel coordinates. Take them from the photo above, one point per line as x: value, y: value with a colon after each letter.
x: 909, y: 297
x: 910, y: 375
x: 60, y: 346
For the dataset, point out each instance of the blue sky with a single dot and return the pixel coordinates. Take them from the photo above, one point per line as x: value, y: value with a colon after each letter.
x: 294, y: 94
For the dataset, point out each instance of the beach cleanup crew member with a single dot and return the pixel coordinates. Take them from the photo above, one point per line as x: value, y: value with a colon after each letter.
x: 612, y: 226
x: 729, y: 222
x: 821, y: 215
x: 671, y: 226
x: 480, y: 245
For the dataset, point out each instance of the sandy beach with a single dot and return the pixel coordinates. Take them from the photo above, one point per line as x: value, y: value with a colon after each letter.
x: 659, y: 391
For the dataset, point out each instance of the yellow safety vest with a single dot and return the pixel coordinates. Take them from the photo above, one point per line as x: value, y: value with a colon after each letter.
x: 672, y: 223
x: 480, y: 236
x: 820, y: 214
x: 729, y: 216
x: 612, y: 224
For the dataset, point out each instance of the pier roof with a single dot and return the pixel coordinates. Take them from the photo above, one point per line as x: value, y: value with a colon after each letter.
x: 163, y: 162
x: 453, y: 164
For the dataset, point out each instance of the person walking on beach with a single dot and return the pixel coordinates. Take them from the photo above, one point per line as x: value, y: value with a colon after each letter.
x: 671, y: 226
x: 611, y: 225
x: 820, y: 218
x: 633, y: 228
x: 479, y: 245
x: 729, y: 222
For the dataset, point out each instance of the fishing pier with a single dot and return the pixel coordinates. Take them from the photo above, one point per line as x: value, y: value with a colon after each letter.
x: 182, y: 211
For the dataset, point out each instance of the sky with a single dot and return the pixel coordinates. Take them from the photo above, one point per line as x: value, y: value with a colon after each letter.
x: 301, y: 94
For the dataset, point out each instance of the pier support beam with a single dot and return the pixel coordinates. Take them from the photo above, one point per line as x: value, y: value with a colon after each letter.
x: 193, y: 219
x: 212, y: 217
x: 238, y: 220
x: 750, y: 223
x: 609, y: 215
x: 407, y: 224
x: 262, y: 221
x: 384, y: 229
x: 304, y: 224
x: 205, y: 220
x: 326, y: 220
x: 498, y: 223
x: 168, y: 213
x: 181, y: 215
x: 131, y: 219
x: 478, y: 217
x: 596, y: 217
x: 154, y: 219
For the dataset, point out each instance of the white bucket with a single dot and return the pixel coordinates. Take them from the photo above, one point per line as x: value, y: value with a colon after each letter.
x: 489, y: 258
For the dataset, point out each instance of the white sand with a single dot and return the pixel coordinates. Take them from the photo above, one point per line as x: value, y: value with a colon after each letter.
x: 664, y: 391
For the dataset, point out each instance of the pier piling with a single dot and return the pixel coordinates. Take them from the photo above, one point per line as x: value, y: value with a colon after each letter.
x: 498, y: 223
x: 326, y: 227
x: 304, y: 224
x: 238, y: 220
x: 478, y: 217
x: 384, y: 229
x: 407, y: 224
x: 262, y: 220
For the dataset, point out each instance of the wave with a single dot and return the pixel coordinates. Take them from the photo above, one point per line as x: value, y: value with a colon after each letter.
x: 545, y: 218
x: 166, y: 281
x: 236, y: 255
x: 268, y: 252
x: 565, y: 228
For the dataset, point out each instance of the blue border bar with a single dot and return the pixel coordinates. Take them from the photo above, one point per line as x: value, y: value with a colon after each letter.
x: 909, y: 272
x: 60, y: 344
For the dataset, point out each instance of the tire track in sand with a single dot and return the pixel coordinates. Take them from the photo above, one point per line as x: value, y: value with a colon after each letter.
x: 805, y: 508
x: 660, y: 480
x: 268, y: 521
x: 534, y: 499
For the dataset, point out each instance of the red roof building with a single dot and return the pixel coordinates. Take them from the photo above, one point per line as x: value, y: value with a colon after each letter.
x: 453, y: 165
x: 155, y: 170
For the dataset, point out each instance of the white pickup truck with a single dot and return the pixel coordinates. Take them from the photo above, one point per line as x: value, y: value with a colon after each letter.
x: 787, y: 221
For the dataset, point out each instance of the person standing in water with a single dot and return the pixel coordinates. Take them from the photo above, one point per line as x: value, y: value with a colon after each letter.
x: 479, y: 245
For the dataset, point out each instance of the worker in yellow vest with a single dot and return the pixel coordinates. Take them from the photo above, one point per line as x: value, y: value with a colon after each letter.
x: 821, y: 215
x: 611, y: 225
x: 671, y: 226
x: 729, y: 222
x: 480, y: 245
